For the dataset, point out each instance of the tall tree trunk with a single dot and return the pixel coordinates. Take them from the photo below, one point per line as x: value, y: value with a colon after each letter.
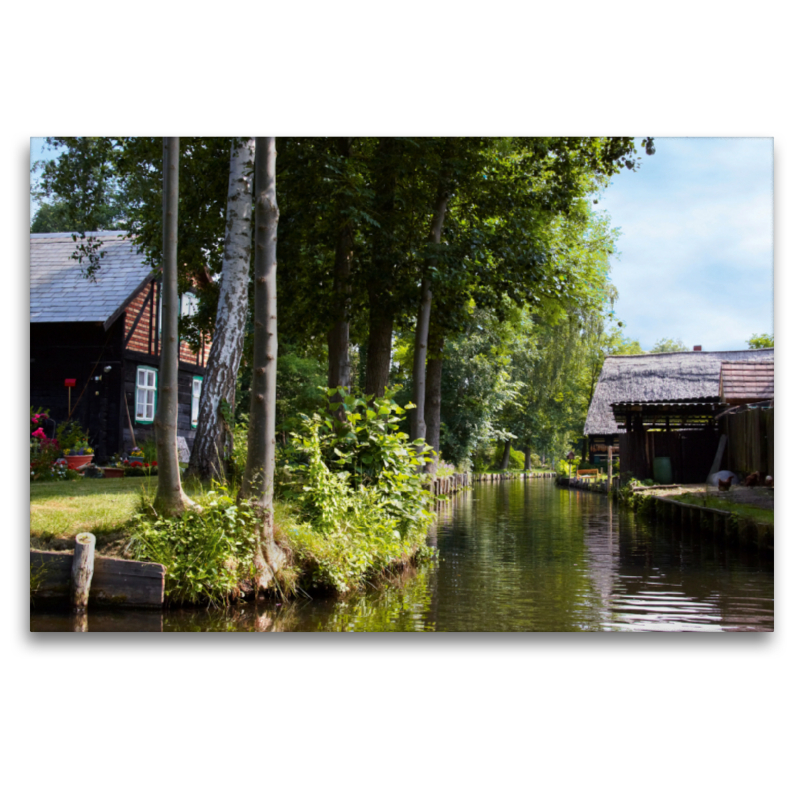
x: 433, y: 398
x: 506, y: 456
x: 424, y: 318
x: 257, y: 486
x: 381, y: 284
x: 379, y: 350
x: 226, y: 347
x: 339, y: 332
x: 527, y: 451
x: 170, y: 499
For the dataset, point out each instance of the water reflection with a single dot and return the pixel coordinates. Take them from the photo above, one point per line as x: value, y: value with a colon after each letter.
x: 526, y: 556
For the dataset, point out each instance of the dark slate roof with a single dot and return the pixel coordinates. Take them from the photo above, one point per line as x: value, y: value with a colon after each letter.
x: 60, y: 294
x: 660, y: 377
x: 750, y: 382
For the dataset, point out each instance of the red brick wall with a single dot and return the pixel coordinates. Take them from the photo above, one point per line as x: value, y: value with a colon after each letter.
x: 145, y: 336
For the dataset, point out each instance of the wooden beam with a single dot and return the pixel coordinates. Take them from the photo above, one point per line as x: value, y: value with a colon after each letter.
x: 116, y: 581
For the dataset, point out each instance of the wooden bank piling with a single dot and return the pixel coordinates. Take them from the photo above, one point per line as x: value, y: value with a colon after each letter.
x: 82, y: 572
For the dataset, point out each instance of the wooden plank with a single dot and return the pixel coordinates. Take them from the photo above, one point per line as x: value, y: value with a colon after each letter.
x: 116, y: 581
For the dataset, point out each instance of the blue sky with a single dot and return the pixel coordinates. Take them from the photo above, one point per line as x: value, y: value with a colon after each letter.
x: 695, y: 248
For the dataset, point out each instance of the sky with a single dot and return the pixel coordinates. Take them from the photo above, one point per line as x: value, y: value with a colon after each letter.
x: 695, y: 248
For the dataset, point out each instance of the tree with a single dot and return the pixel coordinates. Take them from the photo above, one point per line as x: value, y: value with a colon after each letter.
x: 668, y: 346
x: 170, y: 499
x: 59, y: 217
x: 231, y: 319
x: 759, y: 341
x: 257, y: 486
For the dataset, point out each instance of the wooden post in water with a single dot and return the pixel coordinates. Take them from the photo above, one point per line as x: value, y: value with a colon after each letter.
x: 82, y: 571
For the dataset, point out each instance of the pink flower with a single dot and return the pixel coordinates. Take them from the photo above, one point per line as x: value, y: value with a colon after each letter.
x: 39, y: 434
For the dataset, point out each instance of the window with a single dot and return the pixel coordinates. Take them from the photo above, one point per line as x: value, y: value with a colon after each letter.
x: 197, y: 388
x: 188, y: 305
x: 146, y: 390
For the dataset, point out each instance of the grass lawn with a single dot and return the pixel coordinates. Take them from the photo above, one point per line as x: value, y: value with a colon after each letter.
x: 104, y: 506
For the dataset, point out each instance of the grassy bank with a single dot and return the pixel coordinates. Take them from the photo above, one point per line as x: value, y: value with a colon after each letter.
x: 762, y: 516
x: 205, y: 555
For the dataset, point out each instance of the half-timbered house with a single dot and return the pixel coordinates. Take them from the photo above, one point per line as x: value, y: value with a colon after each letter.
x: 105, y: 335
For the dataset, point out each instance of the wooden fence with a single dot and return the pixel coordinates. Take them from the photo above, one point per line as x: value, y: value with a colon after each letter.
x: 751, y: 441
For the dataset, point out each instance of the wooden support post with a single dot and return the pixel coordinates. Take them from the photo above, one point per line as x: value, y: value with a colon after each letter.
x: 82, y: 571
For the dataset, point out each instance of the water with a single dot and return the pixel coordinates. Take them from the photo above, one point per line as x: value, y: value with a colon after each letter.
x: 524, y: 556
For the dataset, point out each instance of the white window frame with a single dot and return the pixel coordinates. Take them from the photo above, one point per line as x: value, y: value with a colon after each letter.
x: 197, y: 390
x: 188, y: 304
x: 146, y: 394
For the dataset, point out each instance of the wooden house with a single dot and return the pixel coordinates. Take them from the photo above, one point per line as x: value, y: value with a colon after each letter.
x: 664, y: 405
x: 105, y: 336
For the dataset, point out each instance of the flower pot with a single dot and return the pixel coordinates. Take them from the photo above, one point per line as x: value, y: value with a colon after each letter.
x: 114, y: 472
x: 76, y: 462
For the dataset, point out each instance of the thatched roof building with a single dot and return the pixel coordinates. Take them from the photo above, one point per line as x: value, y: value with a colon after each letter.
x: 692, y: 376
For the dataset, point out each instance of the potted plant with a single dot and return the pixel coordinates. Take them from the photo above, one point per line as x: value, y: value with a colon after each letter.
x: 74, y: 444
x: 116, y: 469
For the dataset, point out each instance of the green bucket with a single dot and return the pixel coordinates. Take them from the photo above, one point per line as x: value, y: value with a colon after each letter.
x: 662, y: 470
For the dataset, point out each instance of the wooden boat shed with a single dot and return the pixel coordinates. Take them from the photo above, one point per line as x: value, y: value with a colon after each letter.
x: 670, y: 405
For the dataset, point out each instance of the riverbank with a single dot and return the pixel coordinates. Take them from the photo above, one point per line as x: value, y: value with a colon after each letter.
x: 517, y: 556
x: 744, y: 514
x: 205, y: 553
x: 494, y: 477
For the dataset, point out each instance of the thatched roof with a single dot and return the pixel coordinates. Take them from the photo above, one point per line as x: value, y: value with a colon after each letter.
x: 659, y: 377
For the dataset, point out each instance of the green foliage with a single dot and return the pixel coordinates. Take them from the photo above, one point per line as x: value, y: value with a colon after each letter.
x: 72, y: 438
x: 298, y: 382
x: 668, y: 346
x: 367, y: 450
x: 207, y: 552
x: 759, y: 341
x: 239, y: 455
x: 359, y: 490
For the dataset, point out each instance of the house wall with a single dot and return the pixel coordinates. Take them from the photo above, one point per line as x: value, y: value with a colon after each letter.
x: 145, y: 431
x: 79, y: 350
x: 141, y: 328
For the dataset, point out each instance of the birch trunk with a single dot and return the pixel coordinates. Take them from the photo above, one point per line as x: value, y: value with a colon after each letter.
x: 339, y: 333
x: 433, y: 398
x: 257, y: 486
x: 170, y: 499
x: 423, y: 321
x: 208, y: 451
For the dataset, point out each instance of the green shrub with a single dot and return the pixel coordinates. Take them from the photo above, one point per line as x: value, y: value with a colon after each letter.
x: 359, y: 491
x: 207, y: 552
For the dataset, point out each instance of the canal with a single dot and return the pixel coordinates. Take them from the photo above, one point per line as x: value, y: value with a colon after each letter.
x: 523, y: 556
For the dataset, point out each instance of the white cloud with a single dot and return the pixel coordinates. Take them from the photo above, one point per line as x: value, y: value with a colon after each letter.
x: 696, y: 244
